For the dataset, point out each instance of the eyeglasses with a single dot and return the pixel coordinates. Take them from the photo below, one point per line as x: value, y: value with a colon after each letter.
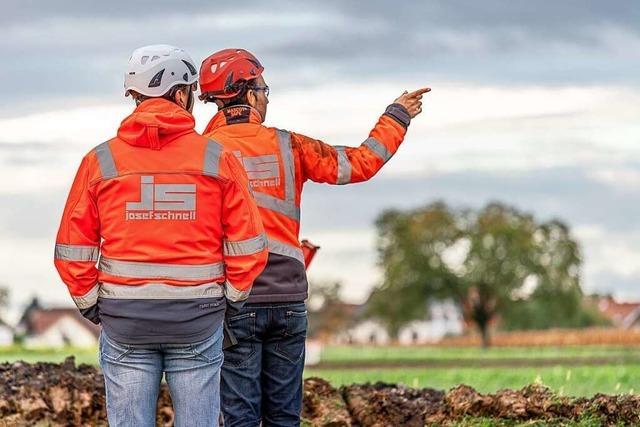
x: 264, y: 88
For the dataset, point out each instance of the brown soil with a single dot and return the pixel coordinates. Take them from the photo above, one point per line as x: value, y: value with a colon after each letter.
x: 383, y: 404
x: 323, y: 405
x: 46, y: 394
x: 49, y: 394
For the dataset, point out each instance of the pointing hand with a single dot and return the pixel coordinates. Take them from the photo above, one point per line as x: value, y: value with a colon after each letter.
x: 412, y: 101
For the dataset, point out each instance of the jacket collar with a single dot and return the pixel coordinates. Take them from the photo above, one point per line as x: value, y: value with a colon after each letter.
x: 234, y: 115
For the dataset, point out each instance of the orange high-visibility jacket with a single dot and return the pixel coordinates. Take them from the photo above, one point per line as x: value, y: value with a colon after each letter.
x: 169, y: 218
x: 278, y: 163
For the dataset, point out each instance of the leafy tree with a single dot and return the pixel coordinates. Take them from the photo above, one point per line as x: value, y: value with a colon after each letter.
x: 557, y: 300
x: 409, y: 249
x: 493, y: 261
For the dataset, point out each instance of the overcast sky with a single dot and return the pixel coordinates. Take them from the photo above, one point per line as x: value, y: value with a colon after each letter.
x: 536, y: 104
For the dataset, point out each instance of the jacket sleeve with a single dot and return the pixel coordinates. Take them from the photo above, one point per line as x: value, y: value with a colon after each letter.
x: 78, y: 244
x: 330, y: 164
x: 244, y: 243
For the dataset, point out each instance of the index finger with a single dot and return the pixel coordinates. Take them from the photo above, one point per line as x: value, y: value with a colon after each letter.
x: 419, y: 92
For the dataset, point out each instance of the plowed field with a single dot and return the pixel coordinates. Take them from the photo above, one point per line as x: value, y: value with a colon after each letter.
x: 47, y: 394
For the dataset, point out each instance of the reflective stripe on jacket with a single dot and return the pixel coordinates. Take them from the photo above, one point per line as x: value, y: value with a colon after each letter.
x: 278, y: 163
x: 169, y: 219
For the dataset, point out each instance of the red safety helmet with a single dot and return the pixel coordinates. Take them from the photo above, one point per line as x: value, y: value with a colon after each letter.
x: 225, y: 73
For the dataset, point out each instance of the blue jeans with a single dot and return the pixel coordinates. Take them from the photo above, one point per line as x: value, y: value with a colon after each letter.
x: 132, y: 375
x: 262, y: 374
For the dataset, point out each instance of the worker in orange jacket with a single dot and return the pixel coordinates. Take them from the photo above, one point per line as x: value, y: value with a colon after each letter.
x: 168, y: 216
x: 262, y: 373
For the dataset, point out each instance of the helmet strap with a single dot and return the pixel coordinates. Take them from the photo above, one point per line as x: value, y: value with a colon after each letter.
x: 191, y: 100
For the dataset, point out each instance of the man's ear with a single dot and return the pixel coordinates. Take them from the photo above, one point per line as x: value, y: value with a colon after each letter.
x: 252, y: 100
x: 180, y: 97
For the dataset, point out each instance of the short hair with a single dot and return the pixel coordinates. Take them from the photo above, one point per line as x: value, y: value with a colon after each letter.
x: 241, y: 97
x: 171, y: 93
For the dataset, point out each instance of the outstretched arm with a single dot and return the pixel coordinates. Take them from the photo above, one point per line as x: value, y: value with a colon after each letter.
x: 326, y: 163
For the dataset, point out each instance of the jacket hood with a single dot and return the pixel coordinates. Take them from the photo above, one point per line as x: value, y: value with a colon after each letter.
x: 155, y: 123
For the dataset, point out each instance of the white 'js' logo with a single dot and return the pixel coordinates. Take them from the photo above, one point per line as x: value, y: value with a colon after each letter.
x: 163, y: 197
x: 262, y: 171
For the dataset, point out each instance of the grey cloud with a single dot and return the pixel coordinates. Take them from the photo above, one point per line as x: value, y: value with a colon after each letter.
x: 11, y: 147
x: 28, y: 153
x: 547, y: 15
x: 32, y: 215
x: 69, y: 48
x: 607, y: 282
x: 22, y: 11
x: 569, y: 194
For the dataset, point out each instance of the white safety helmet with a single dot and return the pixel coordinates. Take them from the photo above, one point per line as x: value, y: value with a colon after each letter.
x: 153, y: 70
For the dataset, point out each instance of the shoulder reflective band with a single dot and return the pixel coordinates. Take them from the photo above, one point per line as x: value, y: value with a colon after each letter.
x: 87, y: 300
x: 212, y: 158
x: 280, y: 248
x: 146, y: 270
x: 344, y: 166
x: 160, y: 291
x: 105, y: 159
x: 234, y: 294
x: 286, y: 152
x: 245, y: 247
x: 76, y: 253
x: 277, y: 205
x: 378, y: 148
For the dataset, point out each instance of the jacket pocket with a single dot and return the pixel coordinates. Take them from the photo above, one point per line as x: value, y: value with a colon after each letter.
x: 209, y: 350
x: 292, y: 344
x: 113, y: 350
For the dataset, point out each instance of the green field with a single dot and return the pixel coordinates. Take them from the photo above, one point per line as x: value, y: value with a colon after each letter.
x: 366, y: 354
x: 572, y: 371
x: 82, y: 355
x: 569, y: 381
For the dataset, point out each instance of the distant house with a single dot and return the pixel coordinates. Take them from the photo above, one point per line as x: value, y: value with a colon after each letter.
x: 56, y: 327
x: 345, y: 323
x: 365, y: 332
x: 350, y: 325
x: 6, y: 334
x: 327, y: 320
x: 445, y: 319
x: 625, y: 315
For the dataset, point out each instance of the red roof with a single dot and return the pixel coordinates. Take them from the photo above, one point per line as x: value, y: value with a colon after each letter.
x: 42, y: 319
x: 621, y: 314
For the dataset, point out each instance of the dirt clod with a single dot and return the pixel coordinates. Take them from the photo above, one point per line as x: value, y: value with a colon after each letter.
x: 56, y: 395
x: 48, y: 394
x: 323, y: 405
x: 382, y: 404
